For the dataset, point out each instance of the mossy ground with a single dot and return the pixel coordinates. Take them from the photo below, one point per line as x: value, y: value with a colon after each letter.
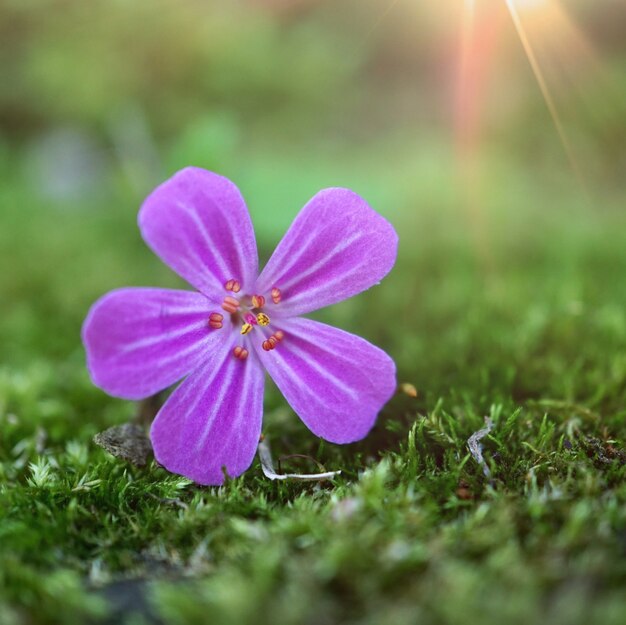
x: 522, y: 319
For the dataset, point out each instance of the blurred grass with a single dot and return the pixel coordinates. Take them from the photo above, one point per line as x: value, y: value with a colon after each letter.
x: 508, y: 300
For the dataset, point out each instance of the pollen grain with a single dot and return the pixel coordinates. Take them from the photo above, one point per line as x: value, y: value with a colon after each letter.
x: 215, y: 320
x: 258, y: 301
x: 273, y: 341
x: 230, y: 304
x: 263, y: 319
x: 233, y: 285
x: 241, y: 353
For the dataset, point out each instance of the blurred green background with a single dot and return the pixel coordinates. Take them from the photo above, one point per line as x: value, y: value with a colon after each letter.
x: 440, y: 125
x: 429, y: 110
x: 492, y: 134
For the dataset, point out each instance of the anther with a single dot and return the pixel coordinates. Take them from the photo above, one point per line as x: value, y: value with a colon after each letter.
x: 276, y: 295
x: 246, y: 327
x: 230, y: 304
x: 215, y: 320
x: 273, y: 341
x: 233, y: 285
x: 250, y: 318
x: 263, y: 319
x: 240, y: 353
x: 258, y: 301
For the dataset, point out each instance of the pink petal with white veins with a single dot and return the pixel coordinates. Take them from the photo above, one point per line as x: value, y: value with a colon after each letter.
x: 335, y: 381
x: 198, y: 224
x: 336, y: 247
x: 212, y: 421
x: 140, y: 340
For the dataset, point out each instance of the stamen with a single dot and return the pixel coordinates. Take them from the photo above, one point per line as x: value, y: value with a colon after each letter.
x: 276, y: 295
x: 258, y: 301
x: 246, y: 327
x: 240, y: 353
x: 263, y: 319
x: 230, y: 304
x: 273, y: 341
x: 250, y: 318
x: 215, y: 320
x: 233, y: 285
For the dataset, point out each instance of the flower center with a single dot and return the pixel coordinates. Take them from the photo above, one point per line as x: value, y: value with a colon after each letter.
x: 247, y: 312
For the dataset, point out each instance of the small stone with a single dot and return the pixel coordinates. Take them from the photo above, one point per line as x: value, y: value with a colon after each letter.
x: 128, y: 442
x: 408, y: 389
x: 463, y: 491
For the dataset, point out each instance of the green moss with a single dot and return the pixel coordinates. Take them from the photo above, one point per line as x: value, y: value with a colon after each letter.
x: 529, y: 330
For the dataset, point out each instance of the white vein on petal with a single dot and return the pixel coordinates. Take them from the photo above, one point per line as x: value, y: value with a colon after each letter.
x: 334, y: 336
x: 163, y: 337
x: 195, y: 348
x: 210, y: 244
x: 335, y: 381
x: 198, y: 384
x: 244, y: 396
x: 232, y: 370
x: 186, y: 264
x: 318, y: 264
x: 296, y: 300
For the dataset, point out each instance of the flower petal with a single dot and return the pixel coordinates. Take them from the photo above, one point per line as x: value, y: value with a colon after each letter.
x: 139, y: 340
x: 335, y: 381
x: 212, y: 420
x: 336, y: 247
x: 198, y: 224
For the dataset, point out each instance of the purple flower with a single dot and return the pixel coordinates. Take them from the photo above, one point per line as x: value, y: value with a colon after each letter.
x: 239, y: 324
